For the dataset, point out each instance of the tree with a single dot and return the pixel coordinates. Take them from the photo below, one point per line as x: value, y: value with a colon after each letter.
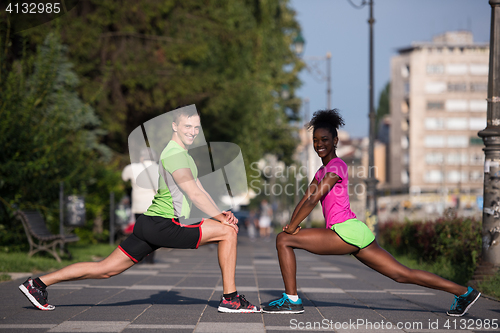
x: 138, y: 60
x: 49, y: 134
x: 383, y: 108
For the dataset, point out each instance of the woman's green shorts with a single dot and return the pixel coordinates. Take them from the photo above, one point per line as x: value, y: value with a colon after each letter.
x: 354, y: 232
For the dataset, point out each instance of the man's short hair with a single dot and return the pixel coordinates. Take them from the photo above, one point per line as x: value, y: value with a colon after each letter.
x: 188, y: 111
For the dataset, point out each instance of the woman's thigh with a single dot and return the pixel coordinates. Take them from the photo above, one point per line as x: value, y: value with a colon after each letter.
x: 316, y: 240
x: 382, y: 261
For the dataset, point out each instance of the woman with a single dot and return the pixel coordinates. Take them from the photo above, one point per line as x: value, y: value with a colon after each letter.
x: 344, y: 234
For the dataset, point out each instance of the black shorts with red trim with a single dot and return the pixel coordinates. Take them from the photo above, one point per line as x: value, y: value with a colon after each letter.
x: 153, y: 232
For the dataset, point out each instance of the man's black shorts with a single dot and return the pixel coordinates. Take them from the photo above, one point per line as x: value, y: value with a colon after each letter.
x: 153, y: 232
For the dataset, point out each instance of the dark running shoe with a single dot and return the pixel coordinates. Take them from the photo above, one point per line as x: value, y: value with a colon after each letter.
x: 284, y: 305
x: 36, y: 295
x: 463, y: 302
x: 237, y: 304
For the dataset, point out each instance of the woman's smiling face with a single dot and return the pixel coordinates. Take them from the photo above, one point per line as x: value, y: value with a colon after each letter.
x: 324, y: 143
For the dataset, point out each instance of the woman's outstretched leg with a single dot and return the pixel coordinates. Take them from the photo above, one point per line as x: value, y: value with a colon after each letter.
x: 383, y: 262
x: 317, y: 241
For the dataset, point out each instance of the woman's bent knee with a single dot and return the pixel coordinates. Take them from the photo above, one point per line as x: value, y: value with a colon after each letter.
x: 282, y: 239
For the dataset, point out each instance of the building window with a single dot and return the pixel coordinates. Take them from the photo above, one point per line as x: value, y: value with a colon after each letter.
x: 478, y: 105
x: 478, y: 69
x: 457, y: 87
x: 456, y: 123
x: 435, y: 87
x: 435, y: 69
x: 476, y: 176
x: 454, y: 176
x: 476, y: 141
x: 477, y: 123
x: 434, y: 123
x: 405, y: 106
x: 434, y: 158
x: 407, y: 88
x: 404, y: 125
x: 457, y: 141
x: 456, y: 69
x: 405, y: 178
x: 479, y: 87
x: 435, y: 105
x: 477, y: 158
x: 433, y: 176
x: 405, y: 71
x: 456, y: 105
x: 404, y: 142
x: 406, y: 159
x: 434, y: 141
x: 457, y: 159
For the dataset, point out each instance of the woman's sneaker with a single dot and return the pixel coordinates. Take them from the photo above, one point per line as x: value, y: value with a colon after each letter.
x: 463, y: 302
x: 237, y: 304
x: 284, y: 305
x: 37, y: 296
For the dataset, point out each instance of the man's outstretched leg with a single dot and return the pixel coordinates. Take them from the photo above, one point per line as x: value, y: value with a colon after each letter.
x: 226, y: 237
x: 34, y: 289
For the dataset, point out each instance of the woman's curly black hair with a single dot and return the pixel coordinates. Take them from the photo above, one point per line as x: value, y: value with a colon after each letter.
x: 329, y: 119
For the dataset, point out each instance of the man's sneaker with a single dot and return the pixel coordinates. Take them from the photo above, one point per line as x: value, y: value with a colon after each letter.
x: 463, y: 302
x: 36, y: 295
x: 284, y: 305
x: 237, y: 304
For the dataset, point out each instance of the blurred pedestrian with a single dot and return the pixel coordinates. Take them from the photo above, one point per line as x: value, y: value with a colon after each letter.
x: 143, y: 192
x: 252, y: 224
x: 266, y: 216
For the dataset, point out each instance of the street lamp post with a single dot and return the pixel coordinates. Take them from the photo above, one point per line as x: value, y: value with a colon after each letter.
x: 491, y: 139
x: 329, y: 81
x: 371, y: 182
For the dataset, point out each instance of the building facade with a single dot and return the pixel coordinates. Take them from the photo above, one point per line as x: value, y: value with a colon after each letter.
x: 438, y: 105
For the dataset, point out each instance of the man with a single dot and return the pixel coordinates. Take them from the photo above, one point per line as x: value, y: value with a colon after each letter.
x: 160, y: 226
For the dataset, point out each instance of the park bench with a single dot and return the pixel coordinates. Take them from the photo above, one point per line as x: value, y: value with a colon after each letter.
x: 39, y: 237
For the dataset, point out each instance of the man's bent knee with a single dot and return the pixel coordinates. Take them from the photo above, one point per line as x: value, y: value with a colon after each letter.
x: 227, y: 233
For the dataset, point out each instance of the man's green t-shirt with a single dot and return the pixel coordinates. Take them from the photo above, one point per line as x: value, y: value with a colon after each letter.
x: 170, y: 201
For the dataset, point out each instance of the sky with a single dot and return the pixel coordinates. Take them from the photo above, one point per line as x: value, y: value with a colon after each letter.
x: 336, y: 26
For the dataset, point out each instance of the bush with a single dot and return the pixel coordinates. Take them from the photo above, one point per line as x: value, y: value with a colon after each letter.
x: 456, y: 241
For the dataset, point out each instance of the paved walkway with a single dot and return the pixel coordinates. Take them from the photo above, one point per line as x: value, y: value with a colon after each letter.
x: 181, y: 292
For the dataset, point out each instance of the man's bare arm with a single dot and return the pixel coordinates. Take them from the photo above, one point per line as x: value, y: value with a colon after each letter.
x: 229, y: 215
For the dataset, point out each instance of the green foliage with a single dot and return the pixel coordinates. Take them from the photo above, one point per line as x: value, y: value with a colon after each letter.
x: 491, y: 286
x: 455, y: 242
x: 49, y: 135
